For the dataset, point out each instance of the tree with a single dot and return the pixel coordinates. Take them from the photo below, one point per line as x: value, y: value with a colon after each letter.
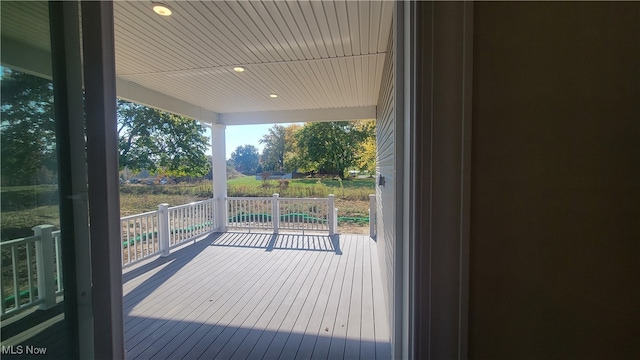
x: 160, y: 142
x: 366, y: 151
x: 28, y: 128
x: 274, y: 148
x: 246, y: 159
x: 329, y: 147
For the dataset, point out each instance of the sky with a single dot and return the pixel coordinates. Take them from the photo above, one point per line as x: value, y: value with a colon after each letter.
x: 238, y: 135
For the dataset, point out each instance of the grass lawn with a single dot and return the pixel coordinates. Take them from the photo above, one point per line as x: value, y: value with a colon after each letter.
x: 353, y: 190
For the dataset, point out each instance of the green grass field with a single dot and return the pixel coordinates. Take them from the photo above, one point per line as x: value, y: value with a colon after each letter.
x: 354, y: 190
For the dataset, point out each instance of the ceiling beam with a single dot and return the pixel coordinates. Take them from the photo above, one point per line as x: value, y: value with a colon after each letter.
x: 130, y: 91
x: 291, y: 116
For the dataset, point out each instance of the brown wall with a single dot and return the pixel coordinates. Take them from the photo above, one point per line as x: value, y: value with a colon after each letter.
x: 555, y: 240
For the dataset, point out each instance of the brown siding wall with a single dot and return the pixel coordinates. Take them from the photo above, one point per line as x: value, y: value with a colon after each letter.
x: 555, y: 240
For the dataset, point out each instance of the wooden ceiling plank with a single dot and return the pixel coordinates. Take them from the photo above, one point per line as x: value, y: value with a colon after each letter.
x: 244, y: 29
x: 228, y: 34
x: 344, y: 74
x: 354, y: 25
x: 206, y: 32
x: 290, y: 21
x: 356, y: 74
x: 303, y: 27
x: 317, y: 9
x: 313, y: 23
x: 374, y: 26
x: 283, y: 27
x: 334, y: 28
x: 168, y: 36
x: 385, y: 25
x: 330, y: 68
x: 323, y: 80
x: 267, y: 25
x: 140, y: 46
x: 256, y: 28
x: 364, y: 9
x: 309, y: 85
x: 141, y: 34
x: 343, y: 26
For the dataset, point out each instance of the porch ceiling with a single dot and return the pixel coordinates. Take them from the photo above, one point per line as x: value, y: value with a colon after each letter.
x: 314, y: 55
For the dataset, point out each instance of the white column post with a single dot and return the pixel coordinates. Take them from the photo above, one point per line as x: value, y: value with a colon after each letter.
x: 163, y: 229
x: 275, y: 213
x: 44, y: 266
x: 219, y: 178
x: 330, y: 215
x: 372, y: 215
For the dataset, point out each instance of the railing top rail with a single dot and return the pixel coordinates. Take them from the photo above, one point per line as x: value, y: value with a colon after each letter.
x: 304, y: 199
x: 191, y: 204
x: 249, y: 198
x: 131, y: 217
x: 20, y: 241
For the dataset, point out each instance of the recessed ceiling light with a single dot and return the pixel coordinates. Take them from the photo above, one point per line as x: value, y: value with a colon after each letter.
x: 273, y: 95
x: 161, y: 9
x: 238, y: 69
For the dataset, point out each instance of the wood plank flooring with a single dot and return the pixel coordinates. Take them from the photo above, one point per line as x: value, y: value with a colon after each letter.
x: 259, y: 296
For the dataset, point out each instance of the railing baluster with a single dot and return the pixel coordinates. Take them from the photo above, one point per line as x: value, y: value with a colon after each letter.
x: 137, y: 235
x: 129, y: 240
x: 146, y: 235
x: 29, y: 275
x: 16, y: 289
x: 57, y: 244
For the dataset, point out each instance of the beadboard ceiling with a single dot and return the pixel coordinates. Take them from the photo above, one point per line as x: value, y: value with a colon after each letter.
x: 312, y: 54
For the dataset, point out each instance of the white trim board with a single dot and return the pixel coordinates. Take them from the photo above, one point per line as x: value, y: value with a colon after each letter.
x: 289, y: 116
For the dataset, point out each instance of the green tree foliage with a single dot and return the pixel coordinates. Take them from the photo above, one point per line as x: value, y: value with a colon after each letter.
x: 160, y: 142
x: 366, y: 151
x: 148, y: 138
x: 28, y: 129
x: 329, y: 147
x: 245, y: 159
x: 274, y: 149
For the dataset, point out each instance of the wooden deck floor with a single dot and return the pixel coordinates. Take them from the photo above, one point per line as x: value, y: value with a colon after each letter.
x: 259, y: 296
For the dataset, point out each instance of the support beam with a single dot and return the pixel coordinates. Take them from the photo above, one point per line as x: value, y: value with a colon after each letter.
x: 134, y: 92
x: 218, y: 150
x: 289, y: 116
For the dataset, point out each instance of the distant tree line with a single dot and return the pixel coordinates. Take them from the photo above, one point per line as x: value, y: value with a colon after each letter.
x: 322, y: 148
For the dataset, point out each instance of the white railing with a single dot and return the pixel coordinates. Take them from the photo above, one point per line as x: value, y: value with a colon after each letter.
x: 304, y: 214
x: 187, y: 222
x: 250, y: 213
x: 139, y: 236
x: 34, y: 266
x: 276, y: 213
x: 155, y: 232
